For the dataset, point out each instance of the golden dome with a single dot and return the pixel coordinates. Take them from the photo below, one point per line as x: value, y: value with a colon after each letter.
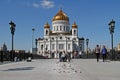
x: 46, y: 25
x: 74, y: 25
x: 60, y: 16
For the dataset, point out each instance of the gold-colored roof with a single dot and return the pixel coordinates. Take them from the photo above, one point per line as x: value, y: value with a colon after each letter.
x: 46, y: 25
x: 60, y: 16
x: 74, y: 25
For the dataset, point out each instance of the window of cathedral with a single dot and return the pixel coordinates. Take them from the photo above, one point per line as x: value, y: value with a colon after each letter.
x: 61, y: 46
x: 64, y: 28
x: 54, y: 28
x: 68, y: 38
x: 57, y: 28
x: 41, y: 47
x: 52, y: 38
x: 46, y: 47
x: 68, y: 46
x: 67, y: 28
x: 53, y: 46
x: 46, y: 31
x: 60, y: 28
x: 60, y: 37
x: 74, y: 31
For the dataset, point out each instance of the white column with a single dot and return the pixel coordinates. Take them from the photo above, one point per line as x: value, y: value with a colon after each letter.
x: 44, y: 47
x: 50, y: 48
x: 72, y: 48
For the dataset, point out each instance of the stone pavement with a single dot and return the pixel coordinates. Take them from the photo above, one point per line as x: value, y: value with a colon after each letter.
x: 52, y: 69
x: 4, y: 62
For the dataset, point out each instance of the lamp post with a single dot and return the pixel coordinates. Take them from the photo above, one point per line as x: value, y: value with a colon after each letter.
x: 87, y: 41
x: 12, y: 28
x: 36, y: 44
x: 33, y: 29
x: 111, y: 28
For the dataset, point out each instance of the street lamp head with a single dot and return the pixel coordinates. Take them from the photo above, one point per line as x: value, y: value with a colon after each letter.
x: 33, y: 29
x: 12, y: 24
x: 12, y: 27
x: 111, y: 26
x: 112, y: 23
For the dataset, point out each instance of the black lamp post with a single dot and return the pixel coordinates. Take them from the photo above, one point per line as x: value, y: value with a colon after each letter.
x: 12, y: 28
x: 111, y: 28
x: 36, y: 44
x: 87, y: 41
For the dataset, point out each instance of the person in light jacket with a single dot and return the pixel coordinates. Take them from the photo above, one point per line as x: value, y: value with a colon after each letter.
x: 97, y: 52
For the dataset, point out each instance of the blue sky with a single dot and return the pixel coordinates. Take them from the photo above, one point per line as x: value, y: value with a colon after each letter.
x: 91, y: 16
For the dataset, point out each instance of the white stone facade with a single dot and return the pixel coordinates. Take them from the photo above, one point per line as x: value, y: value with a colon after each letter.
x: 60, y: 38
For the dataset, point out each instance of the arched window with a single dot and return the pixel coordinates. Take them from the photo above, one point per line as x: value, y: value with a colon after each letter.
x: 54, y: 28
x: 74, y: 31
x: 57, y: 28
x: 60, y: 37
x: 60, y: 28
x: 64, y: 28
x: 41, y: 47
x: 46, y: 32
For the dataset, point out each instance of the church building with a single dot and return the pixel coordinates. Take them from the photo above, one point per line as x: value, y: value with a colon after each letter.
x: 61, y: 37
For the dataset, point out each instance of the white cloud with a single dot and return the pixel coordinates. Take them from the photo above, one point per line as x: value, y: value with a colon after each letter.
x: 44, y: 3
x: 47, y: 4
x: 36, y: 5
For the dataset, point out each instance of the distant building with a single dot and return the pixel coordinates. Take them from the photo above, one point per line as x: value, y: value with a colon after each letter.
x: 61, y: 38
x: 3, y: 48
x: 19, y: 51
x: 119, y: 47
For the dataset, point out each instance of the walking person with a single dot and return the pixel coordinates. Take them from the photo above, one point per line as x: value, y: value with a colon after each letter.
x: 63, y: 56
x: 97, y: 52
x: 68, y: 56
x: 104, y: 52
x: 60, y: 58
x: 80, y: 54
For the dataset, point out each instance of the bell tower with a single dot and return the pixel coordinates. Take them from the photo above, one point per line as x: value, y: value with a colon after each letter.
x: 74, y: 30
x: 46, y: 30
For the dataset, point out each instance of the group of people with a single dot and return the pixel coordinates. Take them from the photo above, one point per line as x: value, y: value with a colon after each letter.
x: 103, y: 51
x: 64, y: 57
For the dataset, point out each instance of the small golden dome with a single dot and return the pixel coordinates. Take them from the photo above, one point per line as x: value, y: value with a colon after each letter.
x: 74, y: 25
x: 60, y: 16
x: 47, y: 25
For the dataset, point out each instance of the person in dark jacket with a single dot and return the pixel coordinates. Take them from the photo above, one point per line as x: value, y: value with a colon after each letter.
x: 104, y: 52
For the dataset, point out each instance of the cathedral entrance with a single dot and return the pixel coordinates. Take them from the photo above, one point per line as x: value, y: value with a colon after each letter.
x: 52, y: 55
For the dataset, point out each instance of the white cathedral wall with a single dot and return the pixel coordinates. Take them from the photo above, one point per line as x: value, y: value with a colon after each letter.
x: 63, y: 41
x: 74, y: 46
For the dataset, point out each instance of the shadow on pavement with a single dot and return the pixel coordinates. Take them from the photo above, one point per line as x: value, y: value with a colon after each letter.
x: 20, y: 69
